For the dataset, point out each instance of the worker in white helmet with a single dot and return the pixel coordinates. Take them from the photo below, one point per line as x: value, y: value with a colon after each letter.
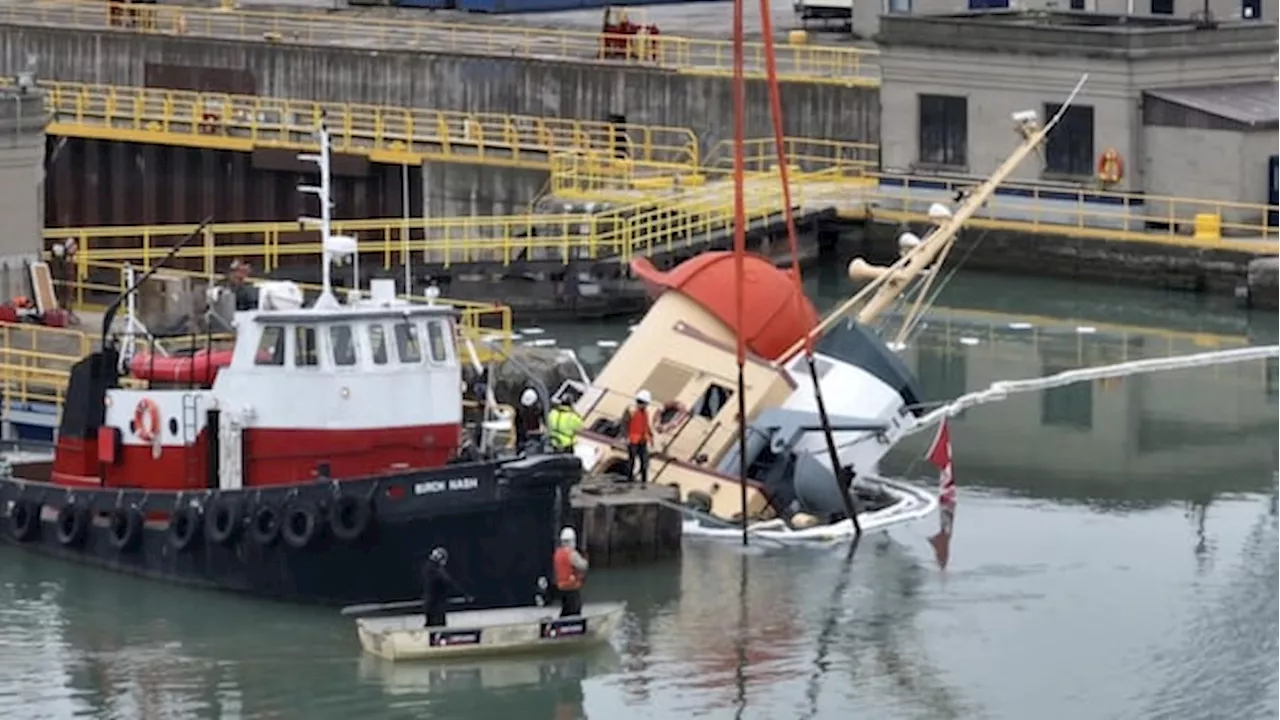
x: 571, y: 570
x: 529, y: 424
x: 637, y: 423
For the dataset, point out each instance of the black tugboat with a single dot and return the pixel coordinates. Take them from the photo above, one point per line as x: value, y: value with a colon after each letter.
x: 317, y: 461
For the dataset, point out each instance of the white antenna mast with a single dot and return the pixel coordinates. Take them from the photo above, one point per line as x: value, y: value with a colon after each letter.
x: 332, y: 246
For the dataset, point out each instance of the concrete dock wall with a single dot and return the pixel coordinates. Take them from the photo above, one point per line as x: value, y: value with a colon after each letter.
x: 451, y: 82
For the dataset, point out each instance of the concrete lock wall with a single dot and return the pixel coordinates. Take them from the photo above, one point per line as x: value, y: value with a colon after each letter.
x: 461, y: 189
x: 22, y: 123
x: 590, y: 91
x: 1211, y: 164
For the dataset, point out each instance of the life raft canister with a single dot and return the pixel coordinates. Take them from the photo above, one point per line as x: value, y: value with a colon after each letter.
x: 146, y: 420
x: 1110, y: 166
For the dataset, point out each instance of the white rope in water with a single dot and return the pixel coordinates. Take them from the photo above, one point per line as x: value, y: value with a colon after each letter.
x: 1000, y: 390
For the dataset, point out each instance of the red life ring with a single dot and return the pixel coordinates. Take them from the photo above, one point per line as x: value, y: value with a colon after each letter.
x: 675, y: 415
x: 146, y: 420
x: 1110, y: 166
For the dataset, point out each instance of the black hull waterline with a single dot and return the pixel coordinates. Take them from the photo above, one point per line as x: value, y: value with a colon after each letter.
x: 329, y: 543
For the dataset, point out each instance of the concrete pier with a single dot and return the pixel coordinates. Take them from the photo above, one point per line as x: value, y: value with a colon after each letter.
x: 620, y: 525
x: 1261, y: 287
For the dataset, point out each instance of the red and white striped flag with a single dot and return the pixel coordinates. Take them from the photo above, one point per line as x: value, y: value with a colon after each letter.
x: 940, y: 456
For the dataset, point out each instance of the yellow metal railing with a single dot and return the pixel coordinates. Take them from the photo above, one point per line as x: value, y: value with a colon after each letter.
x: 385, y: 134
x: 795, y: 62
x: 596, y: 177
x: 95, y: 279
x: 1086, y: 213
x: 617, y: 233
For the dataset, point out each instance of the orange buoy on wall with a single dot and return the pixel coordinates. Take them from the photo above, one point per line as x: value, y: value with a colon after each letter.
x: 1110, y: 166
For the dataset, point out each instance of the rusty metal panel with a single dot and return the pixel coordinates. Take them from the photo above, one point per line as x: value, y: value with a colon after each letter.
x: 200, y: 79
x: 95, y: 183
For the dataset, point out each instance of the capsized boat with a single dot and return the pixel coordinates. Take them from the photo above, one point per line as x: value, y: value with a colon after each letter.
x: 487, y: 632
x: 683, y: 354
x: 319, y: 460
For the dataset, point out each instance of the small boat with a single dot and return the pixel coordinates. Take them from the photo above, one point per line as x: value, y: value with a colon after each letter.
x: 489, y: 673
x: 487, y: 632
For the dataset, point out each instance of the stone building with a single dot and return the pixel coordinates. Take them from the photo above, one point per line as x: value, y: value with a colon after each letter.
x: 866, y: 15
x: 1189, y: 109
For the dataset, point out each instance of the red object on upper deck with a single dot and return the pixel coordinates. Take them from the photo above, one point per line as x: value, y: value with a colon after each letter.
x: 201, y: 368
x: 775, y: 314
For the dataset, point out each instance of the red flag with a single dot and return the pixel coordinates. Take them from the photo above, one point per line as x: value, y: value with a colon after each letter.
x: 940, y: 456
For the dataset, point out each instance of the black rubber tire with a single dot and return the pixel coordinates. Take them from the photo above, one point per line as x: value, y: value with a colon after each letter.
x: 350, y: 517
x: 264, y: 525
x: 301, y: 525
x: 124, y: 527
x: 73, y: 524
x: 699, y: 501
x: 224, y: 521
x: 185, y: 525
x: 24, y: 520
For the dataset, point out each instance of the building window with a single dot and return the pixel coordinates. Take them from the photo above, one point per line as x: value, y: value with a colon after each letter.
x: 988, y: 4
x: 344, y: 345
x: 1077, y: 4
x: 437, y: 339
x: 1251, y: 9
x: 944, y: 130
x: 270, y: 346
x: 1069, y: 148
x: 1161, y: 7
x: 304, y: 347
x: 378, y: 344
x: 407, y: 343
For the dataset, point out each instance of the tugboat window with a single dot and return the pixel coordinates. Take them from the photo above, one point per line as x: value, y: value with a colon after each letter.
x: 407, y: 343
x: 344, y: 345
x: 304, y: 349
x: 270, y: 346
x: 378, y: 344
x: 436, y: 337
x: 712, y: 401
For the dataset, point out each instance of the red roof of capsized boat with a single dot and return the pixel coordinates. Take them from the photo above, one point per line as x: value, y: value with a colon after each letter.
x: 775, y: 314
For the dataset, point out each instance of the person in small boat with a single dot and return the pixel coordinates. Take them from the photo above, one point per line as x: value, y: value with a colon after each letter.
x: 563, y: 424
x: 529, y: 426
x: 571, y: 570
x: 637, y: 423
x: 436, y: 586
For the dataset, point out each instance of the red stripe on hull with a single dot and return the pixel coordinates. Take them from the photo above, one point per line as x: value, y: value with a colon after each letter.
x: 271, y: 457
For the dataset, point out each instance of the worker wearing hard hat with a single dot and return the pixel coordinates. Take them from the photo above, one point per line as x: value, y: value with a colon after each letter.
x: 638, y: 425
x: 571, y: 570
x: 563, y: 424
x: 529, y: 426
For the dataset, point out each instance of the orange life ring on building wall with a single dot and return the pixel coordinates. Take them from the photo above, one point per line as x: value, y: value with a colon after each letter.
x: 1110, y: 166
x: 146, y: 420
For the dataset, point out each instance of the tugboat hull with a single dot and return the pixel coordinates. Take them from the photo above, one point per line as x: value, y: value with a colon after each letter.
x: 330, y: 543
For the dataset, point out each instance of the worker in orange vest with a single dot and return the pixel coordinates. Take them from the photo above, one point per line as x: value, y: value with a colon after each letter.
x: 638, y: 425
x: 571, y: 569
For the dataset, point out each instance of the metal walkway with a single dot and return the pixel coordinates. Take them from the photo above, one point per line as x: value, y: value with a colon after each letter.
x: 696, y: 56
x: 393, y: 135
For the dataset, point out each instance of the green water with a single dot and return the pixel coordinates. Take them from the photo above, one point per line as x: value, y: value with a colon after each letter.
x: 1114, y: 556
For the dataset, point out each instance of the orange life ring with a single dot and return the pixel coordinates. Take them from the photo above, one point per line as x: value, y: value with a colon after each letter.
x: 678, y: 414
x: 1110, y: 166
x: 146, y: 420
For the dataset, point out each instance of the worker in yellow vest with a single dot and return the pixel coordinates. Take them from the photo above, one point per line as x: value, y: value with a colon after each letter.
x: 563, y: 424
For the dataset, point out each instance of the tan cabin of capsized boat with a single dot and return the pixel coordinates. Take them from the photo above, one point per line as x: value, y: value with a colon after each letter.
x: 684, y: 353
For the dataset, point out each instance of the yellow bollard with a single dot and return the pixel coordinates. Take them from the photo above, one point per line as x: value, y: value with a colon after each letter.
x: 1208, y: 226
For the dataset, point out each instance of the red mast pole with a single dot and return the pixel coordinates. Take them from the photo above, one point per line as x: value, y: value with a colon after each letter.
x: 740, y: 245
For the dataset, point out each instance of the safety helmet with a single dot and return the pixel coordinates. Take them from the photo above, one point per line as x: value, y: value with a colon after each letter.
x: 644, y: 397
x: 529, y: 397
x: 568, y: 536
x: 439, y: 556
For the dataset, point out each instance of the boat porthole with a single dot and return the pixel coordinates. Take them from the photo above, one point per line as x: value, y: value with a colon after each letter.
x: 133, y: 428
x: 173, y: 426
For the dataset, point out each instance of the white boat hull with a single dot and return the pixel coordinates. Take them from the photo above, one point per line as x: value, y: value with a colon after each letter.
x: 487, y: 632
x: 912, y: 503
